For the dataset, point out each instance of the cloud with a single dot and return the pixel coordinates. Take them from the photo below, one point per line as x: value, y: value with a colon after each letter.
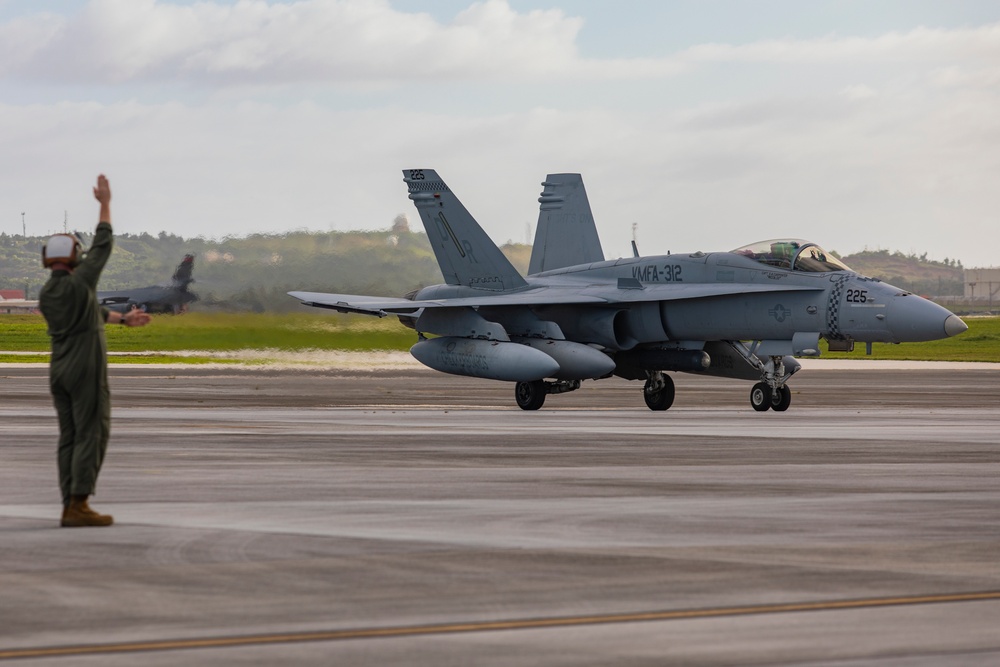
x: 960, y: 77
x: 115, y: 41
x: 353, y: 41
x: 881, y: 173
x: 919, y: 45
x: 859, y: 92
x: 887, y: 141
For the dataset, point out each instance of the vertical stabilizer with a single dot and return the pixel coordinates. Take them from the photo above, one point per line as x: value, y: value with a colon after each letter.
x: 182, y: 274
x: 464, y: 252
x: 566, y: 233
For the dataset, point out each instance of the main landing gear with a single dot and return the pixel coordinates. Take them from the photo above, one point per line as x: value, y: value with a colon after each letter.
x: 771, y: 393
x: 659, y: 391
x: 531, y: 395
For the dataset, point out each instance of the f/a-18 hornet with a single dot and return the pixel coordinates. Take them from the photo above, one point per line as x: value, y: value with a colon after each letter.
x: 742, y: 314
x: 173, y: 298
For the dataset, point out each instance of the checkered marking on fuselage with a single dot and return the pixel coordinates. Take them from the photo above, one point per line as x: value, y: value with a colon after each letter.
x: 833, y: 309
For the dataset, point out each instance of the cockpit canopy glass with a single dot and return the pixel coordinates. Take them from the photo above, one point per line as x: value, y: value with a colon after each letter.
x: 794, y: 254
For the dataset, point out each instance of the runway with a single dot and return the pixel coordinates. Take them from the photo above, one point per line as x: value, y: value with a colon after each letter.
x: 408, y: 517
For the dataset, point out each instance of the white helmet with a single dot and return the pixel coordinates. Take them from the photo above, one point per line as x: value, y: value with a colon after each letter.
x: 64, y: 248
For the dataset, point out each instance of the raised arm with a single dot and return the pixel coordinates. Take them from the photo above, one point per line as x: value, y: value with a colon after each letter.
x: 102, y: 193
x: 89, y: 270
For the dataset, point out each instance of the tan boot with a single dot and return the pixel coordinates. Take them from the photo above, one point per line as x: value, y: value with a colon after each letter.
x: 78, y: 514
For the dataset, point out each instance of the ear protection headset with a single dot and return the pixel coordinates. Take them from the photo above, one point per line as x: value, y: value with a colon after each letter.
x: 64, y: 248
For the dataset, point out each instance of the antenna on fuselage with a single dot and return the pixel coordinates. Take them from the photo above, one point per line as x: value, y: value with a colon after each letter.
x: 635, y: 248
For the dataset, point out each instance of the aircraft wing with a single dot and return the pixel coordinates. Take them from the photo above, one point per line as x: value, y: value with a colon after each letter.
x: 541, y: 296
x: 113, y: 299
x: 357, y: 303
x: 382, y: 306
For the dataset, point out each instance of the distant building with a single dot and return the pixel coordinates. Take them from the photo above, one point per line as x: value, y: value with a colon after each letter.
x: 13, y: 301
x: 982, y: 284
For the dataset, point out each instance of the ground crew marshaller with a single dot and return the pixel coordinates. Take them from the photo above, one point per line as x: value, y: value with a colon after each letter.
x: 78, y: 374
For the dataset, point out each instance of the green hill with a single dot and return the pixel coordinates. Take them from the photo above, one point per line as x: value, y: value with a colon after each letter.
x: 254, y: 272
x: 910, y: 272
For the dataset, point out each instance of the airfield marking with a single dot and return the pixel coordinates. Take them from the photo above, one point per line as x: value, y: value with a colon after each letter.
x: 491, y: 626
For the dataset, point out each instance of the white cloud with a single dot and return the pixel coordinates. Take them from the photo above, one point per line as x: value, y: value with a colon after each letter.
x: 114, y: 41
x: 961, y: 77
x: 881, y: 174
x: 881, y: 142
x: 919, y: 45
x: 859, y: 92
x: 351, y: 41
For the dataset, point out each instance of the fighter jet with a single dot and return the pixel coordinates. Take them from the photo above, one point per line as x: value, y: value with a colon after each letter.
x: 172, y: 298
x: 745, y: 314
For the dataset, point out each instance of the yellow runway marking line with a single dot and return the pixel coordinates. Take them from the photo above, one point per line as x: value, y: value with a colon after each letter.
x: 491, y: 626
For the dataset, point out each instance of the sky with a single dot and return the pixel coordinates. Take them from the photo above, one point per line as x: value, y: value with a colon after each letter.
x: 707, y: 125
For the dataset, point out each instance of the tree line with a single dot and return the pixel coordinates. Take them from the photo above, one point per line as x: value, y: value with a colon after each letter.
x: 252, y: 272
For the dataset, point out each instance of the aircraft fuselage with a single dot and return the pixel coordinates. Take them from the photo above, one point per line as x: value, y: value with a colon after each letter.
x: 838, y: 305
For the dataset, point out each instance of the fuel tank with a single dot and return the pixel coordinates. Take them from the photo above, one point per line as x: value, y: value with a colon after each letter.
x: 692, y: 361
x: 490, y: 359
x: 576, y: 360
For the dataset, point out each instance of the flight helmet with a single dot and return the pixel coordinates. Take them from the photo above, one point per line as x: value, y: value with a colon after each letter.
x: 65, y: 248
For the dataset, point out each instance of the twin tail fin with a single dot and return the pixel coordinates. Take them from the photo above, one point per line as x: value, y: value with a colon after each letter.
x: 566, y: 234
x: 466, y: 255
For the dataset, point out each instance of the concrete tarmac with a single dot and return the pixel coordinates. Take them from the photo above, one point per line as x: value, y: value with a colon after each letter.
x: 413, y: 518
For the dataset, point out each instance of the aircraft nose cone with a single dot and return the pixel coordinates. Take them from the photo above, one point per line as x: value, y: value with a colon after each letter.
x: 954, y: 325
x: 912, y: 318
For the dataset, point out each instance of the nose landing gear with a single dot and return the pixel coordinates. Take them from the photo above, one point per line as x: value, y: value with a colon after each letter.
x: 763, y: 398
x: 771, y: 393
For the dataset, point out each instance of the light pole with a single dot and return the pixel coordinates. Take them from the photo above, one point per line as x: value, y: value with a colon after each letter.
x: 24, y: 230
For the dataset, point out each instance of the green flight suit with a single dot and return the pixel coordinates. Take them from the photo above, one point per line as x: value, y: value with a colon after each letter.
x: 78, y: 374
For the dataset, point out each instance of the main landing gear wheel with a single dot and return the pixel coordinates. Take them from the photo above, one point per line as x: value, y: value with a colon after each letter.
x: 530, y: 395
x: 661, y: 399
x: 761, y: 397
x: 781, y: 399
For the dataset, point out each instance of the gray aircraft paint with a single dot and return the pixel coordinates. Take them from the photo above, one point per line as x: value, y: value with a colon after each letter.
x: 743, y: 314
x: 566, y: 234
x: 171, y: 298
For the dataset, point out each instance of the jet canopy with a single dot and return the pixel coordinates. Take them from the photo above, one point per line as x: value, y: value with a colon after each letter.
x: 794, y: 254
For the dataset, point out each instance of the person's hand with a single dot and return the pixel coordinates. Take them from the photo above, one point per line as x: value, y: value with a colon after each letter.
x: 136, y: 318
x: 102, y: 191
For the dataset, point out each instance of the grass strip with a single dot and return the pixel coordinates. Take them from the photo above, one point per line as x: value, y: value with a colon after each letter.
x: 223, y: 332
x: 229, y: 332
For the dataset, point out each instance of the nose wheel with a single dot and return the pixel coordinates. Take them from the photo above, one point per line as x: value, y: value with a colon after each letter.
x: 763, y: 398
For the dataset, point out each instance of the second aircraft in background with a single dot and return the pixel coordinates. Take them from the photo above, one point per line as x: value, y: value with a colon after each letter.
x: 172, y: 298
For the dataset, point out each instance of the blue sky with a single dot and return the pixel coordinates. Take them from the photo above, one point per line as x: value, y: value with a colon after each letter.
x: 709, y: 124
